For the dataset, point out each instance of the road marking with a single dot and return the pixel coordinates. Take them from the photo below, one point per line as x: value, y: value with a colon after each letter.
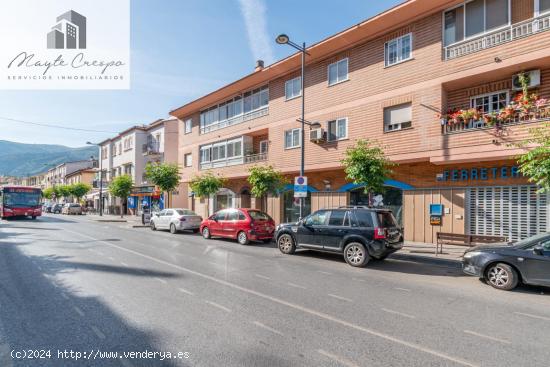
x: 487, y: 337
x: 64, y: 296
x: 186, y: 291
x: 98, y: 332
x: 161, y: 280
x: 257, y: 323
x: 533, y: 316
x: 123, y: 264
x: 288, y: 304
x: 340, y: 298
x: 78, y: 311
x: 402, y: 289
x: 324, y: 272
x: 262, y: 276
x: 218, y: 306
x: 342, y: 360
x: 398, y: 313
x: 296, y: 285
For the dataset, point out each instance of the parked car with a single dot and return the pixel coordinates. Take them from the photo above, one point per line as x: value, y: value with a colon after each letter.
x: 176, y: 219
x: 244, y: 225
x: 47, y: 208
x: 56, y: 208
x: 359, y: 233
x: 504, y: 266
x: 72, y: 208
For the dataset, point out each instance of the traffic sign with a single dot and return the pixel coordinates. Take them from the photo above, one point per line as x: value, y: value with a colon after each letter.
x: 300, y: 187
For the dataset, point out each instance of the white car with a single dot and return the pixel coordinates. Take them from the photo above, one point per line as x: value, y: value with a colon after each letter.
x: 176, y: 219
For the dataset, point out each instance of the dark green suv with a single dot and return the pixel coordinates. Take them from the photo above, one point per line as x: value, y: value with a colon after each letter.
x: 359, y: 233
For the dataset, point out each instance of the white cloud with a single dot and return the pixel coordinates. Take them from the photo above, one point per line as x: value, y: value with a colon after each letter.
x: 254, y: 14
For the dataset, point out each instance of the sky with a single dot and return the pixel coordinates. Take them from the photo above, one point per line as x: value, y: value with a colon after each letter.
x: 180, y: 50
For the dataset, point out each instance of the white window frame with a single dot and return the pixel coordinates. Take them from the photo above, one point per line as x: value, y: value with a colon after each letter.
x: 190, y: 163
x: 299, y: 78
x: 188, y: 126
x: 264, y: 143
x: 233, y: 141
x: 217, y: 146
x: 299, y: 138
x: 205, y: 147
x: 398, y: 41
x: 484, y: 21
x: 346, y: 59
x: 386, y: 130
x: 489, y: 95
x: 537, y: 9
x: 337, y: 122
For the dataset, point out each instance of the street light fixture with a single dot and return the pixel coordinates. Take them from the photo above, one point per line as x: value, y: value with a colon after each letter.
x: 283, y: 39
x: 100, y: 179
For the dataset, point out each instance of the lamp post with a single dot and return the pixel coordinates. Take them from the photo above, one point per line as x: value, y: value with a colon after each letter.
x: 100, y: 178
x: 283, y: 39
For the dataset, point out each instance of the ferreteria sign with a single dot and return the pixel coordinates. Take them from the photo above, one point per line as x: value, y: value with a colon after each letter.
x: 65, y: 44
x: 482, y: 174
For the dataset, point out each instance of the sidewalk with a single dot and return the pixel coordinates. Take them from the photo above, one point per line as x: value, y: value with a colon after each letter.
x: 423, y: 252
x: 134, y: 221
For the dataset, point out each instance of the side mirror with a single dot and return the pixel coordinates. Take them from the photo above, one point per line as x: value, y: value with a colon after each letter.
x: 538, y: 250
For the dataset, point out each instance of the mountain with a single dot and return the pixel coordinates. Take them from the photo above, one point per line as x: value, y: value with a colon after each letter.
x: 18, y: 159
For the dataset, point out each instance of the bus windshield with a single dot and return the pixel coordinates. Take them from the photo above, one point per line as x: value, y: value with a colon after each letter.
x: 21, y: 199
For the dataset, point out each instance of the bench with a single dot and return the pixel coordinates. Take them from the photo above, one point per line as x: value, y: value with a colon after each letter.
x: 468, y: 240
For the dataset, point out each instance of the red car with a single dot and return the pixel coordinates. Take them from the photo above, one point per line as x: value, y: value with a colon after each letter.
x: 244, y: 225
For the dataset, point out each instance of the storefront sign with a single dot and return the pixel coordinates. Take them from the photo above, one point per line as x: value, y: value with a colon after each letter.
x: 483, y: 174
x: 436, y: 212
x: 143, y: 190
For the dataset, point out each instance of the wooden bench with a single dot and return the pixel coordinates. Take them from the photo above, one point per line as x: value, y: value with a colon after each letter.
x: 468, y: 240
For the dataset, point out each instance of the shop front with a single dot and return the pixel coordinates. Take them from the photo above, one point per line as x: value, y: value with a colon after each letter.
x: 148, y: 196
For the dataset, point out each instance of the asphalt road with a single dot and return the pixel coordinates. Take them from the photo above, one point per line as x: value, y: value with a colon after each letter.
x: 74, y: 284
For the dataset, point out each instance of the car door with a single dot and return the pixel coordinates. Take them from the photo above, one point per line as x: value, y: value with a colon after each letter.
x: 337, y: 228
x: 166, y: 218
x: 536, y: 266
x: 230, y: 224
x: 216, y: 221
x: 309, y: 232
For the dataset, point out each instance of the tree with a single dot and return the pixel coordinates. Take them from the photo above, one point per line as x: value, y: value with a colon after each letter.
x: 164, y: 175
x: 78, y: 190
x: 48, y: 193
x: 535, y: 164
x: 205, y: 185
x: 265, y: 180
x: 62, y: 191
x: 366, y: 164
x: 121, y: 187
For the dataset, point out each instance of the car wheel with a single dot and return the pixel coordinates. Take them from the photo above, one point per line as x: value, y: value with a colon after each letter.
x: 286, y: 244
x: 356, y: 254
x: 502, y: 276
x: 153, y: 227
x: 173, y: 229
x: 242, y: 238
x: 206, y: 233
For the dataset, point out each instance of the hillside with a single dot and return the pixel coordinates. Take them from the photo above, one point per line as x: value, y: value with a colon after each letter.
x: 18, y: 159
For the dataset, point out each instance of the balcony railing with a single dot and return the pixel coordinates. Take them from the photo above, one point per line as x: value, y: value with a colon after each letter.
x: 150, y: 148
x: 235, y: 120
x: 253, y: 158
x: 246, y: 159
x: 498, y: 37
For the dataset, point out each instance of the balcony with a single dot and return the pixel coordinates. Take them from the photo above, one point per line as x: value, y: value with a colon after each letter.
x: 151, y: 148
x: 246, y: 159
x: 235, y: 120
x: 498, y: 37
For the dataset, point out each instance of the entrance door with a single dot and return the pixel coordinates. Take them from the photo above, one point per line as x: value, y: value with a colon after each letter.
x: 245, y: 199
x: 291, y: 207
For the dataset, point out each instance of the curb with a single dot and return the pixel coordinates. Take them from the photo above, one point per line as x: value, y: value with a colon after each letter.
x: 111, y: 220
x: 427, y: 260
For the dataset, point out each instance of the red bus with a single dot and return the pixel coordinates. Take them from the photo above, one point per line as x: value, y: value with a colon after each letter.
x: 20, y: 201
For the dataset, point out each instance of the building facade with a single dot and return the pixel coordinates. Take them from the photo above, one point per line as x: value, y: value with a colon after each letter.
x: 391, y: 79
x: 57, y: 175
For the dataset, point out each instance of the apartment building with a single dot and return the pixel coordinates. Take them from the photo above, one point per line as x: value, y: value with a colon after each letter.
x: 57, y: 175
x: 391, y: 79
x: 129, y: 152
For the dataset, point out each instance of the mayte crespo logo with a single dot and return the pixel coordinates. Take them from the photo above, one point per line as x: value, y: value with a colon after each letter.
x: 69, y: 32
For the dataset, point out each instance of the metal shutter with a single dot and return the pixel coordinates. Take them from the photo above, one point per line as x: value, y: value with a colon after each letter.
x: 513, y: 211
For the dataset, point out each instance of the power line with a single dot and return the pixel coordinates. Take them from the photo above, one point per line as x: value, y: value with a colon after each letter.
x: 55, y: 126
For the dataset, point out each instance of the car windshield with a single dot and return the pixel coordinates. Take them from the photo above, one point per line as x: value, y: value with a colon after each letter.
x: 258, y: 215
x: 21, y: 199
x: 185, y: 212
x: 531, y: 241
x: 386, y: 219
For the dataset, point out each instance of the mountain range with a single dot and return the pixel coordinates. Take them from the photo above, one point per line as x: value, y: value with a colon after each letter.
x: 19, y: 159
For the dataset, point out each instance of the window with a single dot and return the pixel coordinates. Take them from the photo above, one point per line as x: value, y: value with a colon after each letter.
x: 338, y: 129
x: 492, y: 102
x: 542, y: 6
x: 234, y: 148
x: 220, y: 215
x: 205, y: 154
x: 398, y: 50
x: 317, y: 219
x: 258, y: 215
x: 264, y: 146
x: 233, y: 215
x: 475, y: 17
x: 397, y: 117
x: 188, y: 126
x: 292, y: 138
x: 188, y: 160
x: 218, y: 151
x: 338, y: 72
x: 338, y: 218
x: 363, y: 218
x: 293, y: 88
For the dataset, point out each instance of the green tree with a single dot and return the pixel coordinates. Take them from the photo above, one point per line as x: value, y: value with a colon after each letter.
x: 121, y: 187
x: 164, y: 175
x: 366, y: 164
x: 205, y: 185
x: 78, y: 190
x: 62, y: 191
x: 535, y: 164
x: 265, y: 180
x: 48, y: 192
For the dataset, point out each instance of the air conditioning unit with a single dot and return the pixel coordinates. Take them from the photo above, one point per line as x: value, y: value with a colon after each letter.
x: 534, y: 79
x: 317, y: 135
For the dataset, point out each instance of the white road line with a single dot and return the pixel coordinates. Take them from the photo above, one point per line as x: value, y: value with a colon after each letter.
x: 288, y: 304
x: 78, y: 311
x: 161, y: 280
x: 402, y: 289
x: 259, y: 324
x: 64, y: 296
x: 218, y: 306
x: 97, y: 332
x: 398, y: 313
x: 183, y: 290
x: 533, y: 316
x: 324, y: 272
x: 262, y: 276
x: 487, y: 337
x: 296, y: 285
x: 123, y: 264
x: 334, y: 357
x: 340, y: 298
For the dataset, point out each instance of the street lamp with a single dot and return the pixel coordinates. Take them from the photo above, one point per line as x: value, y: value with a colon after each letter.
x: 283, y: 39
x: 100, y: 178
